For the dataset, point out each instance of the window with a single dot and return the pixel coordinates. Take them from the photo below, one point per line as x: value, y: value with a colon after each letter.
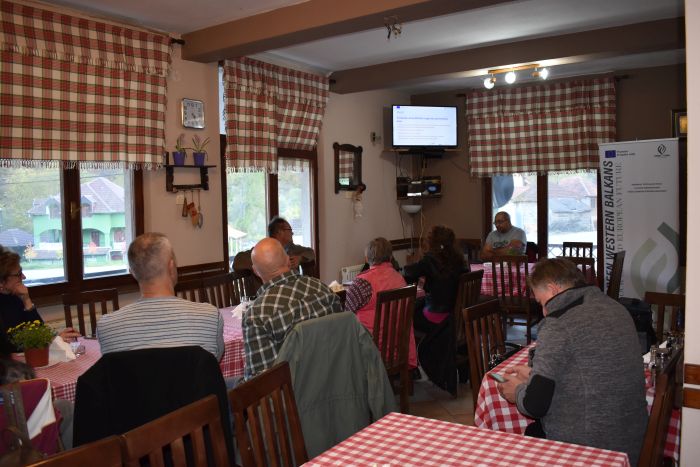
x: 573, y: 213
x: 295, y: 202
x: 58, y: 249
x: 516, y: 194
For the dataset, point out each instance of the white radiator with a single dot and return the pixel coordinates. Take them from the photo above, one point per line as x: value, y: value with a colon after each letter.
x: 348, y: 273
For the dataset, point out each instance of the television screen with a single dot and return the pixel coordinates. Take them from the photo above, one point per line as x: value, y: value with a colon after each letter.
x: 424, y: 127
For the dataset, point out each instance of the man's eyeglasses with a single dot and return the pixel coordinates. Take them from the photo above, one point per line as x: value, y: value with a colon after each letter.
x: 17, y: 274
x: 289, y: 229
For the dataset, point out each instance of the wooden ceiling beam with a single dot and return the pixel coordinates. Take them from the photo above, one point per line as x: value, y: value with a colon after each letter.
x: 309, y: 21
x: 668, y: 34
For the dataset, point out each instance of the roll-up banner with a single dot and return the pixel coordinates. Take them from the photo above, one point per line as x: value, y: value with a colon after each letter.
x: 639, y: 195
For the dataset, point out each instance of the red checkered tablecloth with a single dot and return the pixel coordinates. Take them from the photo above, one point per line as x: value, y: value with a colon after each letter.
x: 405, y: 440
x: 496, y: 413
x: 64, y: 376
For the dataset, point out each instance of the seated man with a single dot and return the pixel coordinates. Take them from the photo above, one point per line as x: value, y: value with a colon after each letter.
x: 159, y: 318
x: 279, y: 229
x: 285, y: 299
x: 505, y: 240
x: 586, y: 383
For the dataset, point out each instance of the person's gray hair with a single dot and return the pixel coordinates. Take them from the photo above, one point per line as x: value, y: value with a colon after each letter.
x: 504, y: 214
x: 378, y: 251
x: 148, y: 256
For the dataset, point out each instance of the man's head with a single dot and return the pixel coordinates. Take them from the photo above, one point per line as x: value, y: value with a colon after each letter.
x: 553, y: 276
x: 280, y: 229
x: 378, y: 251
x: 502, y: 222
x: 152, y: 259
x: 269, y: 259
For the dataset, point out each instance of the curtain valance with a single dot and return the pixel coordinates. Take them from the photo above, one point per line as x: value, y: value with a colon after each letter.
x: 540, y: 128
x: 75, y: 90
x: 269, y: 107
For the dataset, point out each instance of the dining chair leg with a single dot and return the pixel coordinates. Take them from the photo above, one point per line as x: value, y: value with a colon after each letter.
x: 405, y: 381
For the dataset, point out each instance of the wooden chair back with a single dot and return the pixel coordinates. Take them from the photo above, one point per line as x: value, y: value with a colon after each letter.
x: 532, y: 252
x: 192, y: 290
x: 267, y: 426
x: 577, y: 249
x: 484, y: 325
x: 217, y: 290
x: 242, y: 285
x: 652, y: 454
x: 470, y: 248
x: 107, y: 450
x: 193, y: 430
x: 88, y: 302
x: 616, y: 275
x: 393, y: 320
x: 586, y: 265
x: 510, y: 273
x: 468, y: 292
x: 676, y: 303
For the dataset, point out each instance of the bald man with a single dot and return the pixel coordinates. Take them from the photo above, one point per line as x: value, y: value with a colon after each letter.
x: 285, y: 299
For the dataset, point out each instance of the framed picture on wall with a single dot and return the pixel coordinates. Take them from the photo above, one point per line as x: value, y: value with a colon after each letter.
x: 679, y: 120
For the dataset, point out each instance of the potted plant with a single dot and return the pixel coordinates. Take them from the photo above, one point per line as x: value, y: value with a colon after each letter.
x: 198, y: 151
x: 34, y: 338
x: 180, y: 153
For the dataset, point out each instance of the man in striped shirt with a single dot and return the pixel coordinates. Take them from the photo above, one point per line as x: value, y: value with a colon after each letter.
x: 285, y: 299
x: 159, y: 318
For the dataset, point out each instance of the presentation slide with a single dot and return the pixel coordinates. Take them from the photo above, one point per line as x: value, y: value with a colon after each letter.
x: 424, y: 126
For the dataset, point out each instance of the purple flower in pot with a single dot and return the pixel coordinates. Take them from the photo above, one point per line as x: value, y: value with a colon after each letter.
x: 198, y: 151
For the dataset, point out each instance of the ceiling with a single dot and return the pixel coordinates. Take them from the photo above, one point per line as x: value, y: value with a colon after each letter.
x: 486, y: 26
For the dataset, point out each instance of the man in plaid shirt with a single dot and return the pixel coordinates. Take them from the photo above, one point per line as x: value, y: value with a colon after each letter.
x: 285, y: 299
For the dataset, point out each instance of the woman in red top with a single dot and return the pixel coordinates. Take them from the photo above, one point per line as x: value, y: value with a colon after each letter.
x: 361, y: 295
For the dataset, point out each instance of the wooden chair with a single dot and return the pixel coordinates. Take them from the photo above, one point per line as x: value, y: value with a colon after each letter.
x: 91, y: 299
x: 586, y: 265
x: 662, y: 300
x: 176, y: 434
x: 616, y: 275
x: 192, y: 290
x: 242, y: 285
x: 107, y: 450
x: 577, y: 249
x: 483, y: 326
x: 217, y: 290
x: 267, y: 427
x: 393, y: 320
x: 652, y: 454
x: 468, y: 292
x: 532, y: 251
x: 510, y: 273
x: 470, y: 248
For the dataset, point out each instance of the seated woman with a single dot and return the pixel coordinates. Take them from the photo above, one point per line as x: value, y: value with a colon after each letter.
x: 15, y: 304
x: 361, y: 295
x: 441, y: 266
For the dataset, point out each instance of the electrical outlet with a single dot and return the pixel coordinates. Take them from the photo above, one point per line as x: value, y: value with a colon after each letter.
x: 180, y: 199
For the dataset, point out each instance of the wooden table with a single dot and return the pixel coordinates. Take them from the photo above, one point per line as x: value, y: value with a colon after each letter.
x: 64, y: 376
x: 399, y: 439
x: 495, y: 413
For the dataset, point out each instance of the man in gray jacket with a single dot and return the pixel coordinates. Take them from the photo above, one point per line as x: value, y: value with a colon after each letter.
x: 586, y: 383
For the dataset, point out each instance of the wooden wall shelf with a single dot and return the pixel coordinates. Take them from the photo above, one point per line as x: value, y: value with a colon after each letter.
x: 170, y: 176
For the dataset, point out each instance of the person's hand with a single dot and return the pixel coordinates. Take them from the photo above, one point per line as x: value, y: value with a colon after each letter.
x: 21, y: 291
x: 515, y: 376
x: 294, y: 262
x: 519, y: 371
x: 69, y: 334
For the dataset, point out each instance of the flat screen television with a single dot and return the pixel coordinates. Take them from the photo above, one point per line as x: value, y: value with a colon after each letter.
x: 418, y: 126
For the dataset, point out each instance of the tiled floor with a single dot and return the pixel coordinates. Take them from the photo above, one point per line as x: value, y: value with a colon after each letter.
x: 432, y: 402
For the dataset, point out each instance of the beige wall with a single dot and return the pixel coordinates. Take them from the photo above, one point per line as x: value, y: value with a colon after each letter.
x: 690, y: 448
x: 351, y: 118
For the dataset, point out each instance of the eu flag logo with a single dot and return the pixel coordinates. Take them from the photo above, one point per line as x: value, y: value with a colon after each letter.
x: 610, y: 153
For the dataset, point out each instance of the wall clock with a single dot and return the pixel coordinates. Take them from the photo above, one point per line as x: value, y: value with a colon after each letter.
x: 192, y: 113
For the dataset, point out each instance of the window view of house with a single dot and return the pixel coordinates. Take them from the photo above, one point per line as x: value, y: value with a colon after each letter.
x: 246, y: 194
x: 516, y: 194
x: 573, y: 216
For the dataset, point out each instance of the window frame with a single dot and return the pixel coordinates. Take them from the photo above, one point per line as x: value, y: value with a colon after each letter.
x: 49, y: 294
x: 272, y: 194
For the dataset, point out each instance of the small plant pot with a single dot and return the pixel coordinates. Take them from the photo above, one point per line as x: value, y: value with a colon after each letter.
x: 179, y: 157
x: 199, y: 158
x: 36, y: 357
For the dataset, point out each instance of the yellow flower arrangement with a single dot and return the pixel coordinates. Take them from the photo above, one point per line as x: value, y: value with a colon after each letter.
x: 31, y: 335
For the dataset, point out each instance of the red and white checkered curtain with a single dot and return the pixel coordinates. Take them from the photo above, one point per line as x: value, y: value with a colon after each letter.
x: 540, y: 128
x: 76, y: 90
x: 270, y: 107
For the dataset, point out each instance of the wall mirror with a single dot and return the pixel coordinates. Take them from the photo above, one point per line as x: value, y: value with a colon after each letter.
x: 348, y: 167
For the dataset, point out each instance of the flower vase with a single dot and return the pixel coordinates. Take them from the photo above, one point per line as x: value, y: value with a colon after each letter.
x: 199, y: 158
x: 179, y: 157
x: 36, y: 357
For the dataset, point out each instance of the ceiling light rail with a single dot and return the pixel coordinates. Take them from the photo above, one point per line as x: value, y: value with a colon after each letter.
x: 511, y: 73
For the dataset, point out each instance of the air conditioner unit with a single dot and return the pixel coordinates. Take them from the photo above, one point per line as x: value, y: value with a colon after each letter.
x: 348, y: 273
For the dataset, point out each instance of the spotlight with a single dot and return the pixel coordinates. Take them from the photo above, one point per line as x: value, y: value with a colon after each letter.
x: 490, y: 82
x: 510, y: 77
x: 544, y: 73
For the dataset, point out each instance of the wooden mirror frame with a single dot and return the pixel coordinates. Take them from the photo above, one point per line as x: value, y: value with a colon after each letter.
x: 356, y: 180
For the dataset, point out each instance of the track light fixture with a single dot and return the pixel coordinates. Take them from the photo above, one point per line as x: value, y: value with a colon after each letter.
x: 490, y: 82
x: 510, y: 73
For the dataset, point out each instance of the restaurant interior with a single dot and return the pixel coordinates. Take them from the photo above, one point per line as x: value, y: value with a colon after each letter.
x: 372, y: 58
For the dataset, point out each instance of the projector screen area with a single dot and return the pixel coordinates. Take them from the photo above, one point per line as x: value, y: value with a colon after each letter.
x: 423, y: 126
